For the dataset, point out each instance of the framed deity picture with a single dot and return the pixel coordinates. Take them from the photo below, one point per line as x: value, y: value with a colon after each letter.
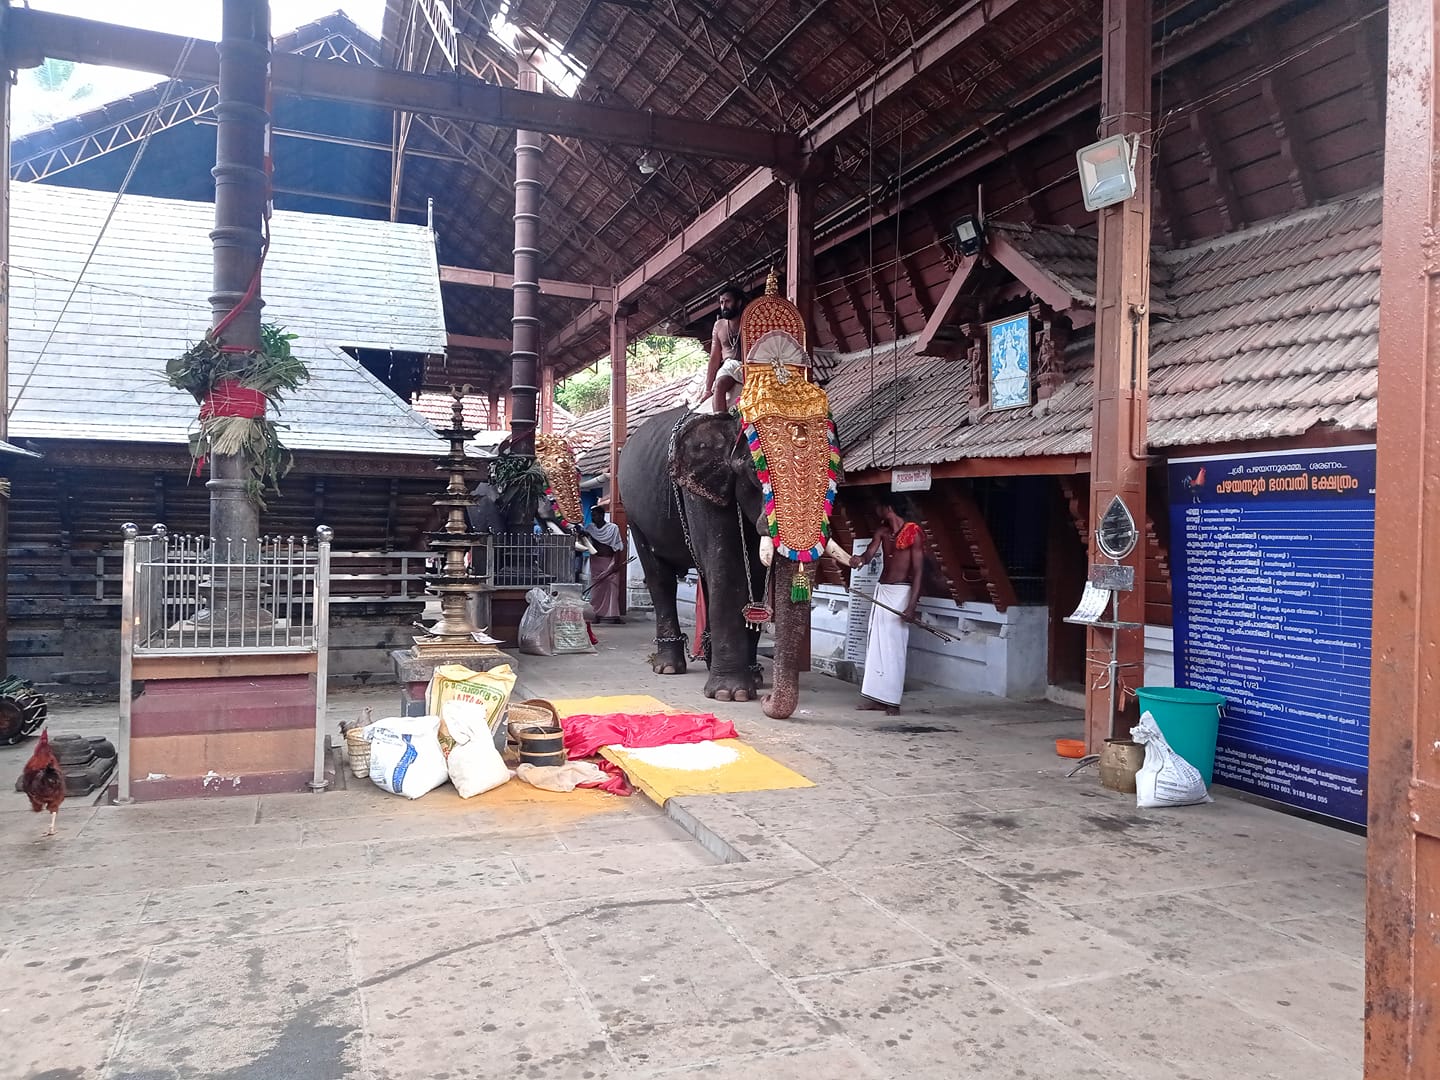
x: 1009, y: 351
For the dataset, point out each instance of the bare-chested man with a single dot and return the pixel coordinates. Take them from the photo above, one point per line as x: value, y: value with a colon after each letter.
x: 725, y: 373
x: 899, y: 588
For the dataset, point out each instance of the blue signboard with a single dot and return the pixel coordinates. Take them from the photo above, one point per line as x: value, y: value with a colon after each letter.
x: 1009, y: 348
x: 1273, y: 559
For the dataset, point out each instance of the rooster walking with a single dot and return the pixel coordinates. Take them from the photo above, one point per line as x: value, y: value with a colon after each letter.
x: 43, y: 781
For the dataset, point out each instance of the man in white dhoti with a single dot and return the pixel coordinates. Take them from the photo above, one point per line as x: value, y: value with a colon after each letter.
x: 899, y: 588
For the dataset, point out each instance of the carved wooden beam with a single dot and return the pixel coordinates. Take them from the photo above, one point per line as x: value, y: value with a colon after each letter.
x: 1227, y: 201
x: 1279, y: 101
x: 852, y: 293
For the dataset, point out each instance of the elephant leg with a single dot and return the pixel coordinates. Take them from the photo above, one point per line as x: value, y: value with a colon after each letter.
x: 660, y: 580
x: 720, y: 549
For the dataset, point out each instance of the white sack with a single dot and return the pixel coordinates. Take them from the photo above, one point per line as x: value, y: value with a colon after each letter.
x: 474, y: 763
x: 1166, y: 778
x: 405, y: 755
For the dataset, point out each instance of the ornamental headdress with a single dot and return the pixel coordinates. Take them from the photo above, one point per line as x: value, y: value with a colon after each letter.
x: 562, y: 489
x: 787, y: 423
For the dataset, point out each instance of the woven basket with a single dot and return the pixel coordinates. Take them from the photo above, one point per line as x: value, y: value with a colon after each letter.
x: 358, y: 750
x: 532, y: 713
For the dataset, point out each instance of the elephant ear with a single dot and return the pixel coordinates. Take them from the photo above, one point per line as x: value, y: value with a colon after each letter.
x: 700, y: 451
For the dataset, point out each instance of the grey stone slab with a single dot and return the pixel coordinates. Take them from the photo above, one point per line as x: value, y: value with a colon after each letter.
x: 74, y: 917
x: 672, y: 986
x: 1016, y: 940
x: 1340, y: 891
x: 470, y: 998
x: 805, y: 926
x: 61, y: 1005
x: 17, y: 884
x: 837, y: 1062
x: 842, y: 846
x: 1193, y: 936
x: 457, y: 852
x: 275, y: 907
x: 117, y: 843
x: 143, y: 875
x: 1341, y: 933
x: 607, y: 833
x: 1165, y: 1025
x: 233, y: 810
x: 1320, y: 1000
x: 595, y: 872
x: 23, y: 836
x: 941, y: 1021
x: 1095, y: 873
x: 1049, y: 827
x: 244, y: 1009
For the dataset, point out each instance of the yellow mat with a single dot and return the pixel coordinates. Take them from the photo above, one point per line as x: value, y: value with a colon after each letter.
x: 750, y: 771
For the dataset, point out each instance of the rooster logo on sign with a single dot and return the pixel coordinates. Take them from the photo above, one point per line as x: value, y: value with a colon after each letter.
x: 1195, y: 484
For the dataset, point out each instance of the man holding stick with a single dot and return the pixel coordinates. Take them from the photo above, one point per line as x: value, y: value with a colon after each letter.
x: 898, y: 589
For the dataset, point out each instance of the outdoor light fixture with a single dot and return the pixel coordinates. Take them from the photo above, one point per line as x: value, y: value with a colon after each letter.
x: 1107, y: 171
x: 648, y: 162
x: 968, y: 234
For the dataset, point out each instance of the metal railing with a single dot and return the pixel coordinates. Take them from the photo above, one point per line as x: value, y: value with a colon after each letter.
x: 191, y: 596
x: 511, y: 560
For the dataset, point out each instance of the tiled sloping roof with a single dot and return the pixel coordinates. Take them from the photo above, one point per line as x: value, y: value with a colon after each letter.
x: 436, y: 408
x: 143, y: 299
x: 1068, y: 258
x: 590, y: 433
x: 1276, y: 333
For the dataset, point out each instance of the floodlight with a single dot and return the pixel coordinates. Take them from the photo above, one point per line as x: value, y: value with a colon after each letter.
x: 648, y: 162
x: 968, y: 234
x: 1107, y: 171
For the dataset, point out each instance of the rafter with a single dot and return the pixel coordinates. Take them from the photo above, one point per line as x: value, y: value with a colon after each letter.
x: 33, y: 35
x: 828, y: 311
x: 862, y: 313
x: 1227, y: 201
x: 1280, y: 103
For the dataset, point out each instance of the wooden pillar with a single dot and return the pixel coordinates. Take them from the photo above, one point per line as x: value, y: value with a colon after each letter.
x: 1118, y: 448
x: 525, y: 321
x: 619, y: 427
x: 4, y: 352
x: 800, y: 251
x: 547, y: 398
x: 1402, y: 910
x: 493, y: 411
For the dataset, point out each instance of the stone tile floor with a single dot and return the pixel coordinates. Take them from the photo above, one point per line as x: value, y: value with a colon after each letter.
x: 944, y: 904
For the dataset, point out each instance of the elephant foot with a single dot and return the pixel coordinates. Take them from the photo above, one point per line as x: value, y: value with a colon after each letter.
x: 731, y: 686
x: 669, y: 658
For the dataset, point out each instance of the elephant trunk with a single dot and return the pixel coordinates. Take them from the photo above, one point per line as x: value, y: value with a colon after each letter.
x: 792, y: 639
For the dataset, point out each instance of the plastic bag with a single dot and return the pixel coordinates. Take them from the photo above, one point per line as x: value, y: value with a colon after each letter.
x: 565, y: 777
x: 535, y: 636
x: 458, y: 695
x: 474, y: 764
x: 585, y: 734
x: 405, y: 755
x: 554, y: 623
x: 1166, y: 778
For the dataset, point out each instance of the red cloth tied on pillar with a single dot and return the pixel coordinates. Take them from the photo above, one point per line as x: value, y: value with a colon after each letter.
x: 228, y: 398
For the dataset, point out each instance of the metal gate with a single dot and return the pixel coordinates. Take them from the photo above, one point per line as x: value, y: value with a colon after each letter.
x: 193, y: 596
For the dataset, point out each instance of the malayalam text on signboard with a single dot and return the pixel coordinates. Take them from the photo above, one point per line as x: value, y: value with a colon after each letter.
x: 1273, y: 566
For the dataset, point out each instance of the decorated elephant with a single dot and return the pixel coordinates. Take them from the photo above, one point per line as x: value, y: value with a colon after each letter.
x: 745, y: 500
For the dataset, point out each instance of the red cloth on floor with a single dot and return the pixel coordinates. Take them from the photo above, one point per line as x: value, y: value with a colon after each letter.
x: 617, y: 784
x: 585, y: 734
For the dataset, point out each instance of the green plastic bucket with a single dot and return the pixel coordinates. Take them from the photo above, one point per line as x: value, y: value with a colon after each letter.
x: 1189, y: 720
